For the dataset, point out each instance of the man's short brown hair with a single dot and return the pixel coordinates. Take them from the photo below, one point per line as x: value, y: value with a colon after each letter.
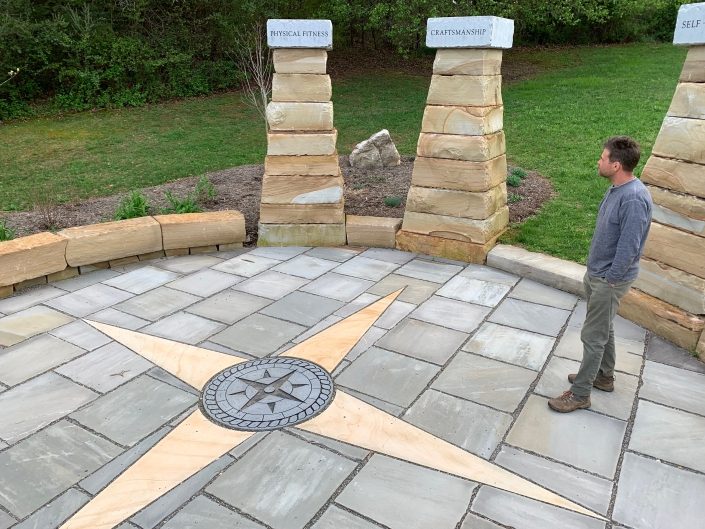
x: 624, y: 150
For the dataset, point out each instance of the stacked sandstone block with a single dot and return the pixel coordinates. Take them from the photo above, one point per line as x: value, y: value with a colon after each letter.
x: 673, y: 267
x: 302, y: 189
x: 457, y: 203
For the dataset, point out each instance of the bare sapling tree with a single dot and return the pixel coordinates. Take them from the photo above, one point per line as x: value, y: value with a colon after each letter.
x: 254, y: 59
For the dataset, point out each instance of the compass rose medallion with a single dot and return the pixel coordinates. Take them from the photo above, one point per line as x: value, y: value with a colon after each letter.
x: 294, y: 390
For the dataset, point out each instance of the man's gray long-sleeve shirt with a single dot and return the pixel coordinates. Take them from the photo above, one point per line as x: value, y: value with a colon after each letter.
x: 621, y: 229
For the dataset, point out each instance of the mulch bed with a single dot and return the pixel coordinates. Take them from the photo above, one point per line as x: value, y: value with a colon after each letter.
x: 239, y: 188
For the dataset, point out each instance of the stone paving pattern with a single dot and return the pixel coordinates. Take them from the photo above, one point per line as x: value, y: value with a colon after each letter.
x: 468, y: 353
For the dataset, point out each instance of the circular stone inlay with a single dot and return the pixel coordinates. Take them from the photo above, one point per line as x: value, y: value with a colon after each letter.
x: 267, y: 394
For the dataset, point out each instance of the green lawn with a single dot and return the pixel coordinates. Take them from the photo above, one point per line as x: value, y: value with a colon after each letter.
x: 555, y: 123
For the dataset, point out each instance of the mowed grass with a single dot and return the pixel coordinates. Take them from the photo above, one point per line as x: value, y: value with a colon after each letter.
x: 555, y: 123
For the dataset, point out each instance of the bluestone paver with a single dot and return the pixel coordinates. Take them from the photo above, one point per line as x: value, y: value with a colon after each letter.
x: 32, y: 357
x: 37, y: 469
x: 270, y: 284
x: 387, y: 407
x: 429, y: 270
x: 184, y: 327
x: 302, y: 307
x: 368, y: 340
x: 674, y: 387
x: 530, y: 316
x: 154, y: 513
x: 514, y: 346
x: 672, y: 435
x: 119, y: 319
x: 187, y: 264
x: 519, y: 512
x: 654, y: 495
x: 55, y: 513
x: 618, y: 403
x: 49, y: 397
x: 458, y: 315
x: 473, y: 427
x: 306, y: 266
x: 583, y: 438
x: 86, y: 280
x: 335, y: 518
x: 323, y: 324
x: 389, y: 255
x: 423, y: 340
x: 535, y: 292
x: 475, y: 378
x: 400, y: 495
x: 586, y: 489
x: 388, y: 376
x: 360, y: 302
x: 205, y: 283
x: 19, y: 326
x: 281, y: 253
x: 6, y: 520
x: 366, y: 268
x: 350, y: 451
x: 473, y: 521
x: 628, y: 352
x: 141, y: 280
x: 663, y: 352
x: 157, y: 303
x: 284, y: 466
x: 258, y: 335
x: 485, y: 273
x: 81, y: 334
x: 134, y: 410
x: 415, y: 291
x: 29, y: 298
x: 204, y: 512
x: 474, y: 291
x: 246, y: 265
x: 229, y: 306
x: 334, y: 254
x: 336, y: 286
x: 105, y: 368
x: 395, y: 313
x: 88, y: 300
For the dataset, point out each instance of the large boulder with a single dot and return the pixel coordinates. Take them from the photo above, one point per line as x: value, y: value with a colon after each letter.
x: 376, y: 152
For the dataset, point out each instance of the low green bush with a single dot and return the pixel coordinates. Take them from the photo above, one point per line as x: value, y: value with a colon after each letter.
x: 132, y: 206
x: 187, y: 204
x: 518, y: 171
x: 6, y: 233
x: 392, y: 201
x: 513, y: 180
x: 205, y: 190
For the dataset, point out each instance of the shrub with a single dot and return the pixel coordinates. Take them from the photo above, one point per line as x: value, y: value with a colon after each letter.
x: 392, y: 202
x: 188, y: 204
x: 205, y: 190
x: 521, y: 173
x: 513, y: 198
x: 513, y: 180
x: 6, y: 233
x: 132, y: 206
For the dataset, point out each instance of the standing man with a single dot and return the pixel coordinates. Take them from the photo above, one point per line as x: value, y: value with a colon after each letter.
x: 621, y: 229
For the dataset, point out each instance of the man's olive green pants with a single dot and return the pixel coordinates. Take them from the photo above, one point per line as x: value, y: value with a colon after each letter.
x: 598, y: 333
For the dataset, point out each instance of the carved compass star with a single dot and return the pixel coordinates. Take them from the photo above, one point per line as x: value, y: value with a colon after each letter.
x: 201, y: 439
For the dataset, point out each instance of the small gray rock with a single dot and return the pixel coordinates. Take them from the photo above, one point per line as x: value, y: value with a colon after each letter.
x: 376, y: 152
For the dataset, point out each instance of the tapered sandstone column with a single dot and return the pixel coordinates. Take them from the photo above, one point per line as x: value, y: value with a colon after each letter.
x: 457, y: 203
x: 302, y: 188
x: 673, y: 267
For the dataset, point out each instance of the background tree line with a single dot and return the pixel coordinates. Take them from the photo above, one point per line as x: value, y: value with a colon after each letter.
x: 80, y: 54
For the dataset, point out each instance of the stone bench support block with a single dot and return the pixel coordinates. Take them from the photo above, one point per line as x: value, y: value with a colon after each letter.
x: 467, y: 230
x: 466, y: 61
x: 672, y: 285
x: 300, y: 116
x: 688, y: 101
x: 302, y: 143
x: 31, y: 257
x: 112, y: 240
x: 302, y: 189
x: 301, y: 235
x: 694, y: 66
x: 468, y: 148
x: 546, y: 269
x: 466, y: 121
x: 301, y: 87
x: 458, y: 174
x: 676, y: 248
x: 191, y: 230
x: 302, y: 214
x: 676, y: 175
x: 466, y: 90
x: 376, y: 232
x: 681, y: 138
x: 442, y: 247
x: 457, y: 203
x: 293, y: 60
x: 302, y: 165
x: 666, y: 320
x: 689, y: 206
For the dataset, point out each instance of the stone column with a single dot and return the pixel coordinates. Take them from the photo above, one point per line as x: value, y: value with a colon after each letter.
x: 302, y: 188
x: 673, y: 267
x: 457, y: 203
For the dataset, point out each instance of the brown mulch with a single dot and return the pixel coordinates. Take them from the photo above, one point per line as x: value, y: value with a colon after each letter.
x: 239, y: 188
